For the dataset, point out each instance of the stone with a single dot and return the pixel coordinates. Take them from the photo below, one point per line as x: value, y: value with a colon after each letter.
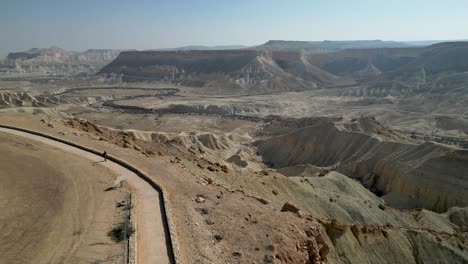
x: 202, y: 211
x: 270, y: 248
x: 224, y: 169
x: 263, y: 201
x: 287, y: 207
x: 269, y: 259
x: 209, y: 222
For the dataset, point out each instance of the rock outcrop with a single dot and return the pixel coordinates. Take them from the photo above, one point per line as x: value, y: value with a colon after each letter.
x: 21, y: 99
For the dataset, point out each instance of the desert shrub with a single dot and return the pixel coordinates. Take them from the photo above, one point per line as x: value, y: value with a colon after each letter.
x: 121, y: 232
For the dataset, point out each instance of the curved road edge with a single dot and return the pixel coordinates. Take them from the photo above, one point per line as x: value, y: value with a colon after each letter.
x: 172, y: 248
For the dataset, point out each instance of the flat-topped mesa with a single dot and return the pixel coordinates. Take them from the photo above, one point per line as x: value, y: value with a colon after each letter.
x: 327, y: 45
x: 57, y: 61
x: 194, y: 61
x: 228, y: 71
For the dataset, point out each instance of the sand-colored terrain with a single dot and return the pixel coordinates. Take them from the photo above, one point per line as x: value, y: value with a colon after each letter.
x: 150, y: 242
x: 443, y: 115
x: 275, y: 157
x: 54, y: 207
x: 239, y: 219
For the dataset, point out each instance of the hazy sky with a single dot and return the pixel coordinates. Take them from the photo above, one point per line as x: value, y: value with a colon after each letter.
x: 145, y: 24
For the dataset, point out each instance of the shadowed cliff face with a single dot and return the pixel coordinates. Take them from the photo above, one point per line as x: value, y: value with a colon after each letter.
x: 354, y: 62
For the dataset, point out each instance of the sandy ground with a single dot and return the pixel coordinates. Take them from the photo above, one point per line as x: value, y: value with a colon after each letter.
x: 196, y: 224
x: 166, y: 123
x: 151, y: 238
x: 231, y: 225
x: 54, y: 207
x: 444, y: 115
x: 235, y: 215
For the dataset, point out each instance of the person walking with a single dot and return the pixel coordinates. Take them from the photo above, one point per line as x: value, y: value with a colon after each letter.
x: 104, y: 155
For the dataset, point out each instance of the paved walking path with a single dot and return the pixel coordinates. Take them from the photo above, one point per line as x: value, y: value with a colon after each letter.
x: 150, y: 233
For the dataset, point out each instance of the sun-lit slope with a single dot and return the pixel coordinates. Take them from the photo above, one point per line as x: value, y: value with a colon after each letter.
x: 54, y: 209
x: 410, y: 175
x: 19, y: 99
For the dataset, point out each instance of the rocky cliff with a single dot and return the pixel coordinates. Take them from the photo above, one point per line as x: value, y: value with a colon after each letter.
x: 57, y: 61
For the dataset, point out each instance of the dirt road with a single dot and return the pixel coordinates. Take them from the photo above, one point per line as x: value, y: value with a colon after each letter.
x: 152, y: 246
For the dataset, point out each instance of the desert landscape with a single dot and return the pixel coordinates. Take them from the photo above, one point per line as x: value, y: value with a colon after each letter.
x: 286, y: 152
x: 55, y: 209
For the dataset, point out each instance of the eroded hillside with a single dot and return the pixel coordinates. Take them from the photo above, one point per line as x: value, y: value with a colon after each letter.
x: 290, y: 213
x: 56, y: 61
x: 405, y: 174
x: 225, y: 72
x: 398, y: 71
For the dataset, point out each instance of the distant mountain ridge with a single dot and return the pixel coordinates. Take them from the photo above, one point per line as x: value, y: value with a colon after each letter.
x: 371, y: 66
x: 57, y: 61
x: 439, y: 68
x: 326, y: 45
x: 431, y: 42
x: 225, y: 71
x: 201, y: 47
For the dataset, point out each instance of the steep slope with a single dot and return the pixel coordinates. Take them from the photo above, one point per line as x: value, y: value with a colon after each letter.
x: 441, y: 69
x: 361, y: 63
x: 409, y: 175
x: 20, y: 99
x: 228, y: 71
